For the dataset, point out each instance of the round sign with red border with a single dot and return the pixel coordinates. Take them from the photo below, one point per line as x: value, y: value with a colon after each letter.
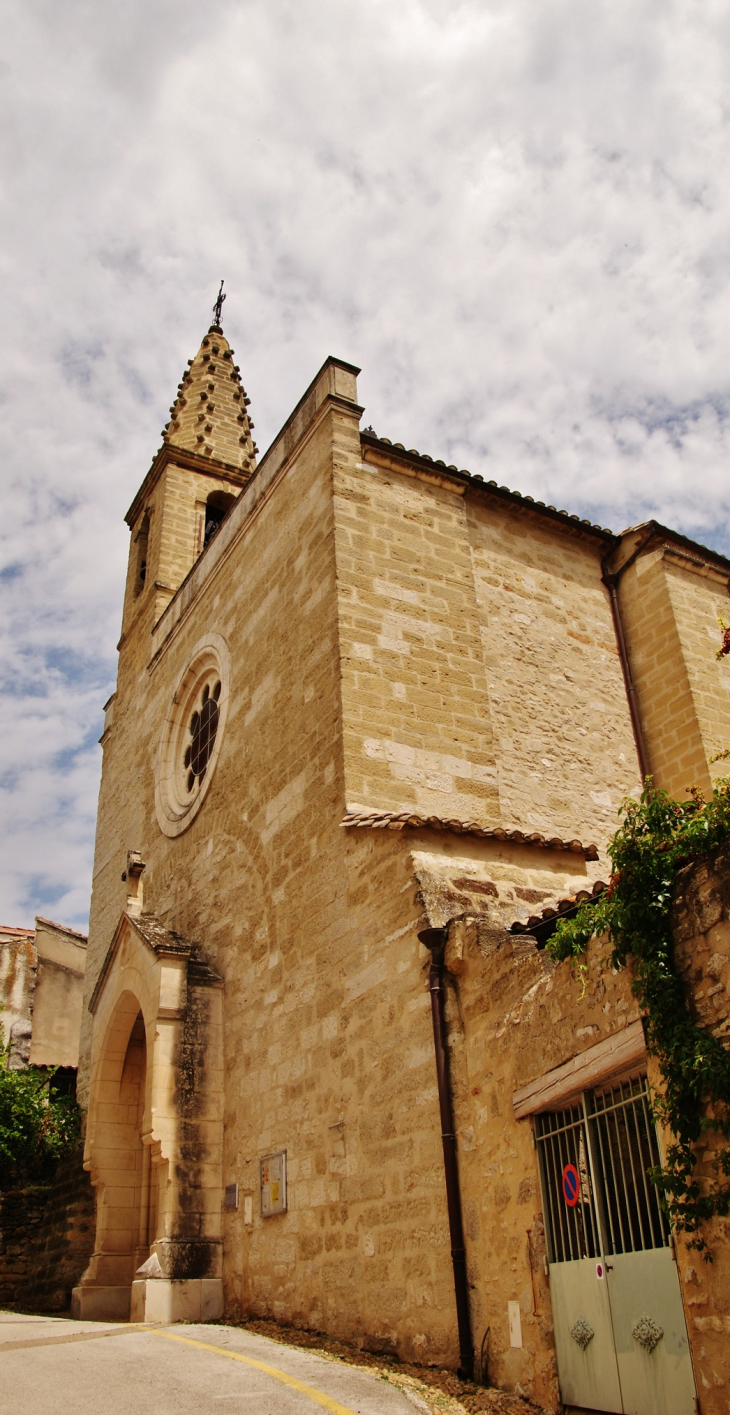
x: 571, y: 1185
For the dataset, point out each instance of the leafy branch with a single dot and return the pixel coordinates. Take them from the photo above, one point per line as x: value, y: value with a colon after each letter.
x: 657, y: 838
x: 37, y: 1128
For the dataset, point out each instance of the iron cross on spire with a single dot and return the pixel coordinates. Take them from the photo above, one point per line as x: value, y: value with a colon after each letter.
x: 218, y: 306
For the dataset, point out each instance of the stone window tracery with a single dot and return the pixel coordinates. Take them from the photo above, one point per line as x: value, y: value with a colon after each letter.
x: 190, y: 741
x: 203, y: 729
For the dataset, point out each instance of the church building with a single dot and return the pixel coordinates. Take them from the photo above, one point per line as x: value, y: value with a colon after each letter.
x: 365, y: 696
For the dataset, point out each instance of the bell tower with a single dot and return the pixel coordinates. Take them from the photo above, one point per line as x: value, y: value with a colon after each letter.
x: 207, y: 456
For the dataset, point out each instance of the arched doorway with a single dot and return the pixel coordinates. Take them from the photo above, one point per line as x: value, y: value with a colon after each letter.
x: 131, y: 1214
x: 122, y: 1163
x: 153, y: 1146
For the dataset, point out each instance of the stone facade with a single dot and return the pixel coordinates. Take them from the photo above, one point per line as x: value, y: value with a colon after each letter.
x: 671, y: 598
x: 46, y: 1231
x: 41, y: 994
x: 421, y: 714
x: 513, y: 1016
x: 18, y: 965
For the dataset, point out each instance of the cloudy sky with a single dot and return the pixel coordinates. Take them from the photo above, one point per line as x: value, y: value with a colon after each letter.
x: 514, y: 216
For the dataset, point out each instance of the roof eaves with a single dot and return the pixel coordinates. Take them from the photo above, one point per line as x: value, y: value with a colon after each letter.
x: 541, y: 927
x: 473, y: 479
x: 62, y: 928
x: 702, y: 552
x: 563, y: 908
x: 402, y: 820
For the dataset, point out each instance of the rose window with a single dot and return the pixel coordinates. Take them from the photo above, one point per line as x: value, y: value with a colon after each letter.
x: 202, y: 729
x: 191, y: 737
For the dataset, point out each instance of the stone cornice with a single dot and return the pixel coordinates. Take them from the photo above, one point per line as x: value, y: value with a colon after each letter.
x: 420, y: 464
x: 412, y: 820
x: 651, y: 537
x: 189, y: 461
x: 164, y: 943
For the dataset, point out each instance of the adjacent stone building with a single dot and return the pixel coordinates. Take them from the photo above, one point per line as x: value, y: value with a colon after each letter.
x: 41, y: 994
x: 45, y: 1227
x: 362, y: 693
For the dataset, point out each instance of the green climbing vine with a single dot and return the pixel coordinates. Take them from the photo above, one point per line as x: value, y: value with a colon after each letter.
x: 656, y: 839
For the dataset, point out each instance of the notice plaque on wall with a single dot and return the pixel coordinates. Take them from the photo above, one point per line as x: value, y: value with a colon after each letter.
x: 273, y: 1184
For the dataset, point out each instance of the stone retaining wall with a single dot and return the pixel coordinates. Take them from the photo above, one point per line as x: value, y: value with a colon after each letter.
x: 702, y: 934
x: 512, y: 1017
x: 46, y: 1239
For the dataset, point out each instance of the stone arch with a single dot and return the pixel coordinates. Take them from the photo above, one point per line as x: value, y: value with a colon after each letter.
x: 153, y: 1151
x: 142, y: 543
x: 120, y: 1167
x: 217, y: 507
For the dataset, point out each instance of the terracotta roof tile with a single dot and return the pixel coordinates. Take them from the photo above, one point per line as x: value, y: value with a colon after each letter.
x: 562, y: 908
x: 402, y: 820
x: 412, y: 453
x: 62, y: 928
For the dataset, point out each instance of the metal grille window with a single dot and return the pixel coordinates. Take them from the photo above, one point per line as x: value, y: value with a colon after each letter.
x: 624, y: 1149
x: 572, y: 1228
x: 594, y: 1157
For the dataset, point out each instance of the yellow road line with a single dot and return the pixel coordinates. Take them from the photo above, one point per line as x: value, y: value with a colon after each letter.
x: 317, y: 1395
x: 64, y: 1340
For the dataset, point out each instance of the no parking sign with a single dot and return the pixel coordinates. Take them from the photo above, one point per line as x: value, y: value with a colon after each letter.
x: 571, y: 1185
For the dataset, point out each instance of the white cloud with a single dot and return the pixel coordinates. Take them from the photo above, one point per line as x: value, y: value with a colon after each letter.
x: 514, y: 217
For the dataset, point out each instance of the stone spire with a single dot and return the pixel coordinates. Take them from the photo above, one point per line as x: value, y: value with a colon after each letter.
x: 210, y: 413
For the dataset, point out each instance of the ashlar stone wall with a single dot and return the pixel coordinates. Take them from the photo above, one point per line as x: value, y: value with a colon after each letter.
x: 417, y: 725
x: 671, y: 602
x: 396, y: 641
x: 480, y: 674
x: 337, y: 1066
x: 566, y: 751
x: 321, y: 1000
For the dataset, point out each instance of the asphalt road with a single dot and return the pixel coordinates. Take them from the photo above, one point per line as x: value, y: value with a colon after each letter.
x: 51, y: 1366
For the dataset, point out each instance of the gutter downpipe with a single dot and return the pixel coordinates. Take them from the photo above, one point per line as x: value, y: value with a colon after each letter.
x: 435, y: 941
x: 611, y: 581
